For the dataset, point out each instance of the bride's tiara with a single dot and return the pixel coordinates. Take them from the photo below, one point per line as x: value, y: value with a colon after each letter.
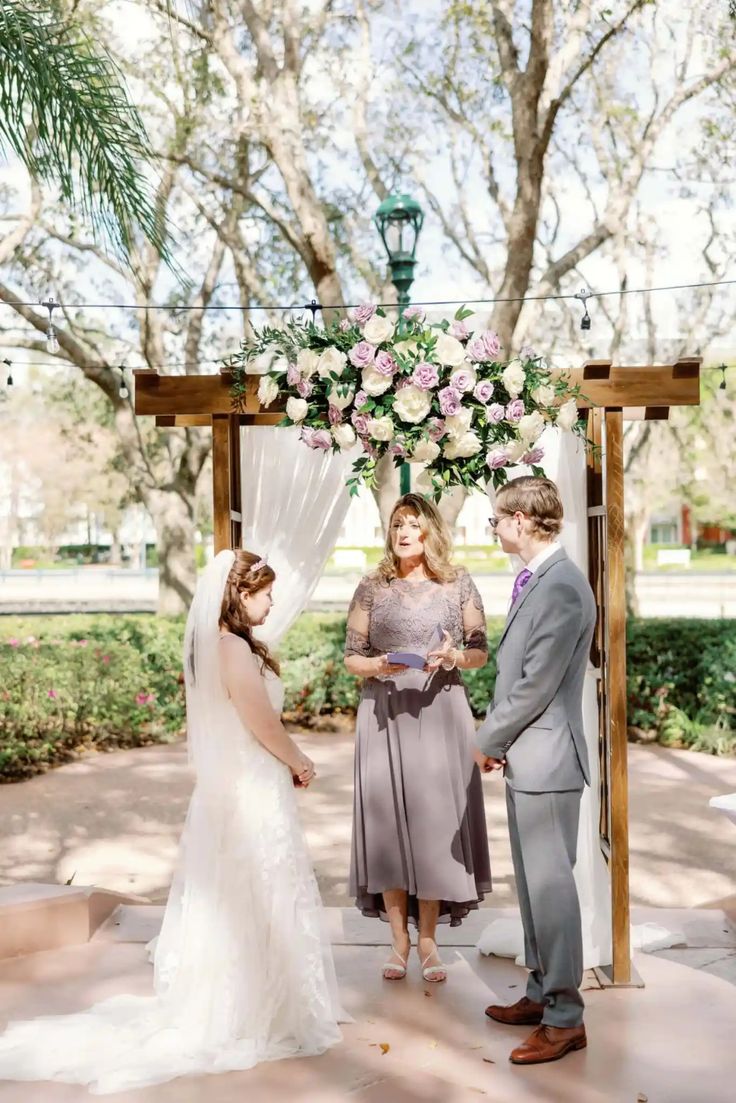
x: 259, y: 565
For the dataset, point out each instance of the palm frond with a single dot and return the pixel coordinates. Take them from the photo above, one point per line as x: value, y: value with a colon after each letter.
x: 66, y: 114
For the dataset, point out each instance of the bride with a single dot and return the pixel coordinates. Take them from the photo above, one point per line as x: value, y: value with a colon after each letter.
x: 243, y: 969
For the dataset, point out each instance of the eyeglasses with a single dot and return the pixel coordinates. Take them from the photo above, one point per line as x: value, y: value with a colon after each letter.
x: 494, y: 521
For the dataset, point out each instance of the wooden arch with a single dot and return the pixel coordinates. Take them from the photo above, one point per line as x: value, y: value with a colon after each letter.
x: 612, y: 396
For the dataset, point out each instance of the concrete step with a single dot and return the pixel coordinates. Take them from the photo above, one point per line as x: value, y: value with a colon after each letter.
x: 36, y: 917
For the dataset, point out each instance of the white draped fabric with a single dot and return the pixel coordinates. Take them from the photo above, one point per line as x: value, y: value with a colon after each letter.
x: 565, y: 463
x: 295, y: 501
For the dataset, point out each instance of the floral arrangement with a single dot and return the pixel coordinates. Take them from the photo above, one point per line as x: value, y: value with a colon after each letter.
x: 434, y: 394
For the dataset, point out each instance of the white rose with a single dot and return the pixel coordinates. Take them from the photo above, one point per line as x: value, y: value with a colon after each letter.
x: 412, y: 404
x: 381, y: 428
x: 268, y: 390
x: 513, y: 379
x: 567, y: 414
x: 306, y: 362
x: 544, y: 395
x: 449, y: 351
x: 260, y: 364
x: 407, y: 348
x: 378, y: 329
x: 373, y: 383
x: 340, y: 400
x: 296, y: 409
x: 331, y: 362
x: 457, y: 425
x: 426, y: 451
x: 531, y: 427
x: 466, y: 445
x: 343, y: 435
x: 515, y: 451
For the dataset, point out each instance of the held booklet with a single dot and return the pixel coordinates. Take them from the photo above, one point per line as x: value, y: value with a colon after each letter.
x: 417, y: 659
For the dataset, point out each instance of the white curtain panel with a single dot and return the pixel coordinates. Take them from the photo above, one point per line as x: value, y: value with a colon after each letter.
x: 294, y: 503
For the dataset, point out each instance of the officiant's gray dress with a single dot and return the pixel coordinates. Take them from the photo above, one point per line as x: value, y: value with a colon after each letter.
x: 418, y: 816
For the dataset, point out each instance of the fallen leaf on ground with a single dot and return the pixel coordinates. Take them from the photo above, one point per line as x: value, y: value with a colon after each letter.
x: 488, y: 1061
x: 430, y: 994
x: 641, y: 1098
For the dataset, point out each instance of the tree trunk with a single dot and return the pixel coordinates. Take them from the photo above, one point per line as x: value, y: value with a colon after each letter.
x: 173, y: 516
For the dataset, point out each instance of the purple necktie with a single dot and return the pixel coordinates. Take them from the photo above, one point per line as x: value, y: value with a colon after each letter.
x: 521, y: 580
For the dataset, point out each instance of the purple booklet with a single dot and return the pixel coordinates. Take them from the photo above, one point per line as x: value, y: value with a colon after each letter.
x: 417, y: 659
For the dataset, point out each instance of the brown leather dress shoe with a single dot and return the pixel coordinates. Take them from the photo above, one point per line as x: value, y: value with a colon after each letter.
x: 524, y: 1012
x: 549, y: 1043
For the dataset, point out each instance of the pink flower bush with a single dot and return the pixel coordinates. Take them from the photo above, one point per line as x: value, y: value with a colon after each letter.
x: 145, y: 698
x: 53, y: 694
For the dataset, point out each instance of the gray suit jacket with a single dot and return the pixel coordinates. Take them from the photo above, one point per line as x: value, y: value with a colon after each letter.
x: 535, y: 720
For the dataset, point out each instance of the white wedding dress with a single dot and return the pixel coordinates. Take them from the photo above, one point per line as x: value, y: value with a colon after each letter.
x: 243, y: 966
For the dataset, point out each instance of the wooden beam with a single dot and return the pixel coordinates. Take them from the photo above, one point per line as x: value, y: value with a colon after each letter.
x: 221, y: 481
x: 235, y: 511
x: 601, y: 384
x: 616, y: 693
x: 204, y: 421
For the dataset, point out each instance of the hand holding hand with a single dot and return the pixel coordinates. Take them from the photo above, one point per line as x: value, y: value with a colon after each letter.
x: 486, y: 764
x: 303, y: 772
x: 443, y: 656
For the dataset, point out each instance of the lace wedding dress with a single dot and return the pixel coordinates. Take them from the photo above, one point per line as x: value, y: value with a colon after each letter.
x: 243, y: 970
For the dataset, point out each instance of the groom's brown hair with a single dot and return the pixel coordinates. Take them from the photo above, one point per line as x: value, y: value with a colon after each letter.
x: 538, y: 499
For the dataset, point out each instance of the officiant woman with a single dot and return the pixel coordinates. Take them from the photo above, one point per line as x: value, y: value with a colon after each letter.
x: 420, y: 847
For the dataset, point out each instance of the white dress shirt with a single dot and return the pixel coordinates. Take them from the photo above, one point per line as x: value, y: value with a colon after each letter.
x: 542, y: 556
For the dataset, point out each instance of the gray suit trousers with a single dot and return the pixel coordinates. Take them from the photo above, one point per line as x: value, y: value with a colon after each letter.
x: 544, y: 832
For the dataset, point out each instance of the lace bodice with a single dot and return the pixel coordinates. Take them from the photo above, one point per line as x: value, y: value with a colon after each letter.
x: 401, y: 615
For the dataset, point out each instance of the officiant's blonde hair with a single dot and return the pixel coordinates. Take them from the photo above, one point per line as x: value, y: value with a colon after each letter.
x: 437, y: 540
x: 538, y: 498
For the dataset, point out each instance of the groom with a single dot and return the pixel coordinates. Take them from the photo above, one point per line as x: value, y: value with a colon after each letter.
x: 534, y: 729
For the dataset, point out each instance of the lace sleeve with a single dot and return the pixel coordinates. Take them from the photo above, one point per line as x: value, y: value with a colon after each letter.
x: 474, y: 617
x: 357, y: 639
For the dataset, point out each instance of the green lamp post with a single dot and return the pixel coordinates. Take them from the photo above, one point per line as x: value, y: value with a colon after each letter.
x: 399, y: 220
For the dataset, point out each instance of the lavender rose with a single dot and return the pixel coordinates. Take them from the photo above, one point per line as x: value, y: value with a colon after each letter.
x: 362, y: 354
x: 436, y: 429
x: 385, y: 363
x: 425, y: 376
x: 334, y: 414
x: 463, y: 379
x: 450, y: 401
x: 497, y: 458
x: 484, y: 346
x: 304, y: 387
x: 360, y: 421
x: 460, y: 330
x: 293, y: 375
x: 484, y: 391
x: 534, y: 456
x: 495, y: 413
x: 316, y: 438
x: 515, y: 410
x: 414, y: 314
x: 360, y: 399
x: 359, y: 315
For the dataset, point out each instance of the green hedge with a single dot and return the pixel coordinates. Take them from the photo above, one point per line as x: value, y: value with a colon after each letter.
x: 71, y: 683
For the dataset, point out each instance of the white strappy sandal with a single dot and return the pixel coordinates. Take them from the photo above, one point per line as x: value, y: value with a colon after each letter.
x: 391, y: 966
x: 430, y: 973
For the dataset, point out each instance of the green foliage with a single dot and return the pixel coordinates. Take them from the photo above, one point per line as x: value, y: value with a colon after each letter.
x: 65, y: 113
x: 74, y: 683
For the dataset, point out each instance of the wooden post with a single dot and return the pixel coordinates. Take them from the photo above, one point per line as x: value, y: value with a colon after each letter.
x: 236, y: 493
x: 616, y: 623
x: 221, y: 480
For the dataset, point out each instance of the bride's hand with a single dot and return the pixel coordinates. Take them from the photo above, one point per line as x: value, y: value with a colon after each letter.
x: 303, y: 770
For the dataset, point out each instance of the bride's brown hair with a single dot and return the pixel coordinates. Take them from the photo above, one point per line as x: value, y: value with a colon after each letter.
x: 243, y: 579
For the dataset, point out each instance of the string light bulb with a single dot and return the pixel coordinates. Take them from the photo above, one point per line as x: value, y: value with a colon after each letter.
x: 52, y: 341
x: 9, y: 365
x: 583, y: 295
x: 123, y: 389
